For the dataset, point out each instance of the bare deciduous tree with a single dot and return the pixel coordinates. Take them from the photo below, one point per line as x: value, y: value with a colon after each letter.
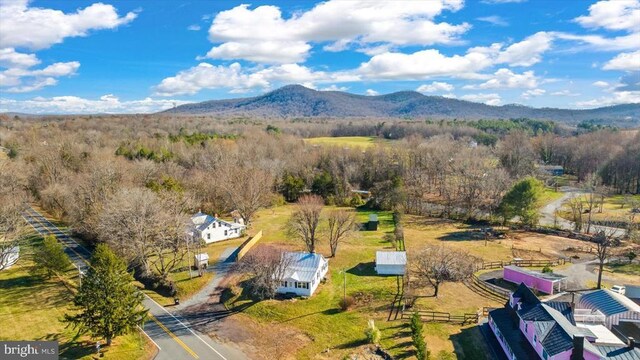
x: 341, y: 223
x: 305, y: 220
x: 604, y: 240
x: 247, y: 190
x: 438, y: 264
x: 267, y: 266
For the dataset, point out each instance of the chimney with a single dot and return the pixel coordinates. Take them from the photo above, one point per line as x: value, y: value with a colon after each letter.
x: 578, y: 348
x: 631, y: 342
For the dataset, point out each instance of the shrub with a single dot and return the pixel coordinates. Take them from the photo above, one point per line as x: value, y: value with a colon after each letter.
x: 418, y: 337
x: 347, y: 303
x: 547, y: 269
x: 373, y: 333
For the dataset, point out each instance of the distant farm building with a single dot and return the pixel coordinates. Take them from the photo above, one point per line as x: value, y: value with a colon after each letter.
x: 553, y: 170
x: 543, y: 282
x: 303, y: 274
x: 391, y: 262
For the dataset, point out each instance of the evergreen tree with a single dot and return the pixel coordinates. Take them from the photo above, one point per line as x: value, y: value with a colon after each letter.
x: 50, y: 258
x: 418, y: 337
x: 522, y: 200
x: 109, y: 304
x: 292, y: 187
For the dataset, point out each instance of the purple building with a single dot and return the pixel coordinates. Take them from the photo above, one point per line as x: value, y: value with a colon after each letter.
x: 527, y: 328
x: 543, y: 282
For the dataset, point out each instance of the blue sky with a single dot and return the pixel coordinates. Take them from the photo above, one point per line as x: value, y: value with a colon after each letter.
x: 144, y: 56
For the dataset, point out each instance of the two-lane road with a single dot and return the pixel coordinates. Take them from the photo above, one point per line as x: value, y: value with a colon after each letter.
x: 173, y: 336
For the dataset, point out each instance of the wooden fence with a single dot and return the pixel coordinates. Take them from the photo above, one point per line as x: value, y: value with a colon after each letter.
x: 247, y: 245
x: 490, y: 288
x: 435, y: 316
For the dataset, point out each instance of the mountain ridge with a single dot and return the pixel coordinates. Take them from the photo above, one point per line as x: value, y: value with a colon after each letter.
x: 299, y: 101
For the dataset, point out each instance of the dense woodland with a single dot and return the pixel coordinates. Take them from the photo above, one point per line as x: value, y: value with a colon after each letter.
x: 132, y: 181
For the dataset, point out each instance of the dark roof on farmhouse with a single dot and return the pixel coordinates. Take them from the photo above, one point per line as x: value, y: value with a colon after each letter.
x: 526, y: 296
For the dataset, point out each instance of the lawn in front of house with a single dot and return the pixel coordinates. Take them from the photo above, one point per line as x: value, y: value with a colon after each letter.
x: 347, y: 141
x: 31, y: 308
x: 314, y: 316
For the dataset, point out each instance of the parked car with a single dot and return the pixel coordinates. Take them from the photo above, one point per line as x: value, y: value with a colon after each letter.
x: 620, y: 289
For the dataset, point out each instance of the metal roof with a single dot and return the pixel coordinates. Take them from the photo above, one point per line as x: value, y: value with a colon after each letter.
x: 391, y: 258
x: 202, y: 221
x: 541, y: 275
x: 612, y: 352
x: 201, y: 257
x: 608, y: 302
x: 303, y: 265
x: 373, y: 217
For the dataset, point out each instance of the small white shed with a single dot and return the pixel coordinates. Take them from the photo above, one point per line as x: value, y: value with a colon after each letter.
x: 201, y: 260
x: 391, y: 262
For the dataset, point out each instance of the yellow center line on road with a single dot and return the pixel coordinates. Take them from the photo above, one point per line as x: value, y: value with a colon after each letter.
x: 173, y: 336
x: 46, y: 228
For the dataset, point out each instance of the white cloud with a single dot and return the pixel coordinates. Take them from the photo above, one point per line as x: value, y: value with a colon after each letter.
x: 333, y: 87
x: 601, y: 84
x: 624, y: 61
x: 20, y: 79
x: 564, y: 93
x: 494, y: 19
x: 38, y: 28
x: 616, y: 98
x: 9, y: 58
x: 489, y: 99
x: 339, y: 22
x: 507, y: 79
x: 423, y: 64
x: 532, y: 93
x: 77, y: 105
x: 262, y: 51
x: 371, y: 92
x: 194, y: 27
x: 237, y: 79
x: 528, y: 51
x: 435, y: 86
x: 602, y: 43
x: 613, y: 15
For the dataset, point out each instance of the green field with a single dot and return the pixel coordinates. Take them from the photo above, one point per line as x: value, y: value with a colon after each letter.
x: 347, y: 141
x: 31, y: 308
x: 312, y: 317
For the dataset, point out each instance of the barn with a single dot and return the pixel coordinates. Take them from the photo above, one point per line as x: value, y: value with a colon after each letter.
x: 391, y: 262
x: 543, y: 282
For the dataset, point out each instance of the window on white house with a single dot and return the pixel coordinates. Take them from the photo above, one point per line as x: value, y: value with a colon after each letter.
x: 208, y: 236
x: 226, y: 232
x: 302, y: 285
x: 283, y: 283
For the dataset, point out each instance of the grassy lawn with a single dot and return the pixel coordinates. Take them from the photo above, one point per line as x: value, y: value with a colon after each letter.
x: 34, y: 307
x: 356, y: 141
x: 312, y: 317
x: 630, y: 269
x: 549, y: 195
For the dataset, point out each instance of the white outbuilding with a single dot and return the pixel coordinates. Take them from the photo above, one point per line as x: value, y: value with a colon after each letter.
x: 391, y: 262
x: 201, y: 261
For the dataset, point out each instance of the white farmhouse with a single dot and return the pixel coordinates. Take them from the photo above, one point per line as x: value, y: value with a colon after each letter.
x: 391, y: 262
x: 303, y: 274
x: 211, y: 229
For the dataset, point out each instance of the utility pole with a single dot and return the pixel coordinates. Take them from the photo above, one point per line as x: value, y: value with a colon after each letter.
x: 189, y: 256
